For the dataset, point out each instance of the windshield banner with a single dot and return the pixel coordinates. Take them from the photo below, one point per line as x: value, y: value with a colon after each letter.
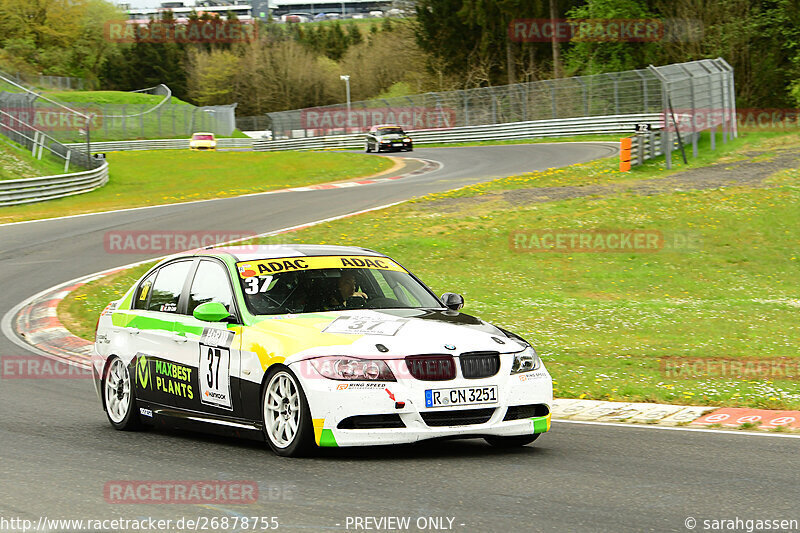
x: 263, y: 267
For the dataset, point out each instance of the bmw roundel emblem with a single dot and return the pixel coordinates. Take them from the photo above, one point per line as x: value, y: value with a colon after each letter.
x: 449, y: 347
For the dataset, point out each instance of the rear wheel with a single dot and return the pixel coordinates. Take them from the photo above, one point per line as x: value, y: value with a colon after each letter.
x: 118, y: 397
x: 512, y: 442
x: 286, y: 416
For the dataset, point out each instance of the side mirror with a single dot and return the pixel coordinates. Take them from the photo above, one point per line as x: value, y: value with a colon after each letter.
x: 211, y: 312
x: 452, y: 301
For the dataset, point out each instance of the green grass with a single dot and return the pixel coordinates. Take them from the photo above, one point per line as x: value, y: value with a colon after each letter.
x: 170, y: 176
x: 109, y: 97
x: 604, y: 323
x: 17, y: 163
x: 79, y: 311
x: 177, y: 119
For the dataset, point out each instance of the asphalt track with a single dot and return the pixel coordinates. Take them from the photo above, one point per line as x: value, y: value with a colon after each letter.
x: 57, y: 451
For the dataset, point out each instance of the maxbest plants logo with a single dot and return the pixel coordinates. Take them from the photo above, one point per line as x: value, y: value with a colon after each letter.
x: 143, y: 372
x: 181, y: 31
x: 603, y: 241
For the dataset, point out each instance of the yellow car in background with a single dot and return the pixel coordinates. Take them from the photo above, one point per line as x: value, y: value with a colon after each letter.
x: 203, y: 141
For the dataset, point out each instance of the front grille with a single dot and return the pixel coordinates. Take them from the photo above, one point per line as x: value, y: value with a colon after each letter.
x: 371, y: 422
x: 458, y: 418
x: 432, y: 367
x: 519, y: 412
x: 476, y: 365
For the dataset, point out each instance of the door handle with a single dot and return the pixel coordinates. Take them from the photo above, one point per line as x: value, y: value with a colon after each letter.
x: 133, y: 331
x: 179, y: 337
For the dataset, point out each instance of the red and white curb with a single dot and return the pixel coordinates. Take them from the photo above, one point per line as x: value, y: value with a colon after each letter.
x: 428, y: 166
x: 37, y: 323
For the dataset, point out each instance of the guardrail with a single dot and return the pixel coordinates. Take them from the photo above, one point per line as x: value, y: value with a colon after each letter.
x: 29, y: 190
x: 160, y: 144
x: 638, y: 148
x: 509, y: 131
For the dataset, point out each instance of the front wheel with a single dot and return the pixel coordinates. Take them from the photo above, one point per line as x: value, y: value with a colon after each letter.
x: 367, y: 148
x: 512, y: 442
x: 118, y: 397
x: 287, y: 418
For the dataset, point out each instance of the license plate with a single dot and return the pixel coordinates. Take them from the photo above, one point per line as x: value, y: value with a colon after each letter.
x: 461, y: 396
x: 398, y: 144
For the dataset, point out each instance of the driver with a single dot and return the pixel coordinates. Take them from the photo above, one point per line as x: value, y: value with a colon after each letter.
x: 346, y: 288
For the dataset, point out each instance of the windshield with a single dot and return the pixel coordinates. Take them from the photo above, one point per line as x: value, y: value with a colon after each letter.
x: 390, y: 131
x: 202, y: 137
x: 328, y: 283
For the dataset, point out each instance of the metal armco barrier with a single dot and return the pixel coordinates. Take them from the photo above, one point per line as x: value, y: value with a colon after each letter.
x: 637, y: 149
x: 24, y: 191
x: 510, y: 131
x: 161, y: 144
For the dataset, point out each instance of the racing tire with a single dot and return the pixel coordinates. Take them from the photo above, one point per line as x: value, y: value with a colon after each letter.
x: 288, y: 428
x: 367, y: 148
x: 512, y: 442
x: 119, y: 398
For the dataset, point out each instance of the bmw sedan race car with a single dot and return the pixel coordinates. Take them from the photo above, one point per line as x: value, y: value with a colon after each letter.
x: 308, y: 346
x: 388, y: 137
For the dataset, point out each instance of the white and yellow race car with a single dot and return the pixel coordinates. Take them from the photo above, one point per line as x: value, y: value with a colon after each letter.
x: 308, y: 346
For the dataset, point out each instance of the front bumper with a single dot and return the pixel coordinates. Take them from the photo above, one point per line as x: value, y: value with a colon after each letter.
x: 337, y: 407
x: 395, y: 146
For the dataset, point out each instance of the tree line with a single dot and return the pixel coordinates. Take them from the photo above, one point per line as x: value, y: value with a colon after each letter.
x: 447, y: 44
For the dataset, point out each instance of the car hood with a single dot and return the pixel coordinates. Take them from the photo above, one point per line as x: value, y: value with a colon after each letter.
x: 399, y: 332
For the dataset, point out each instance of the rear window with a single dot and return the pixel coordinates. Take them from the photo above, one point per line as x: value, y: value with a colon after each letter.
x: 202, y: 137
x: 390, y: 131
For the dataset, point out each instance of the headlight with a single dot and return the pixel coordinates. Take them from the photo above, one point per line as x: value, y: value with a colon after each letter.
x: 525, y: 361
x: 353, y: 369
x: 406, y: 140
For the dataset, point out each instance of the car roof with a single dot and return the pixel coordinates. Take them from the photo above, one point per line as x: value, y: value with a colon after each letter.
x: 202, y: 133
x: 268, y: 251
x: 387, y: 126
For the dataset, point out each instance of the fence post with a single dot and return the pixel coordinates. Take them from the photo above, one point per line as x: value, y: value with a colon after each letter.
x: 666, y: 138
x: 66, y: 161
x: 583, y: 96
x: 35, y: 139
x: 695, y: 134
